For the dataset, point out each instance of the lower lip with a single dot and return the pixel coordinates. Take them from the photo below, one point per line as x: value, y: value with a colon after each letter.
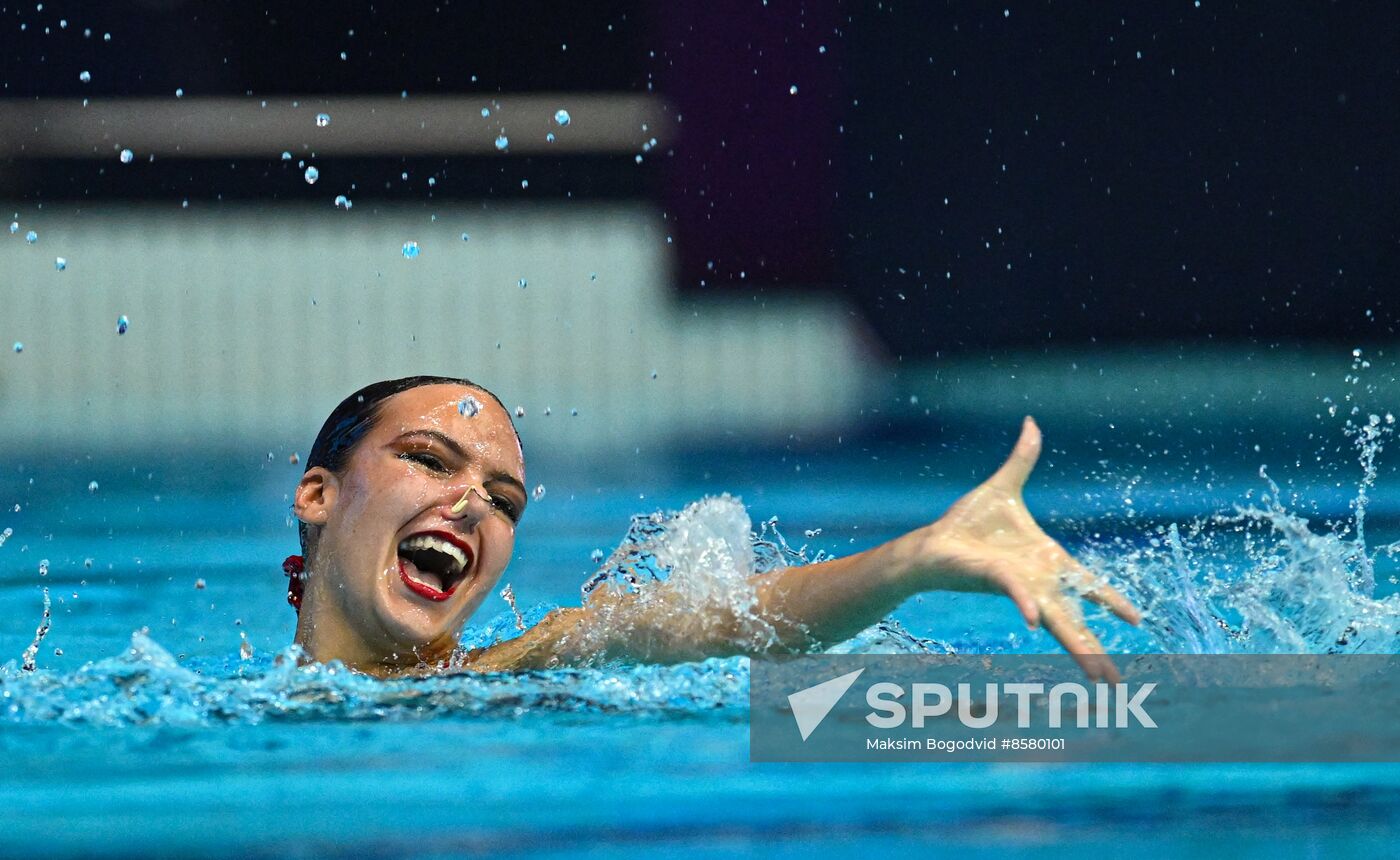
x: 422, y: 590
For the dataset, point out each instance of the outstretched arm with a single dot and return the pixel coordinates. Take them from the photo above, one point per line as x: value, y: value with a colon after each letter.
x: 986, y: 542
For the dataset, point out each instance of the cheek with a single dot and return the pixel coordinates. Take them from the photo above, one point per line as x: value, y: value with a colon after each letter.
x: 499, y: 543
x: 383, y: 494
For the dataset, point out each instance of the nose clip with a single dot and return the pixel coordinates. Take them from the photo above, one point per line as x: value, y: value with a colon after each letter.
x: 466, y: 498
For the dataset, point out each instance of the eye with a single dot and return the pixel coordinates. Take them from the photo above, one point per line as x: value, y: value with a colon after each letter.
x: 424, y: 459
x: 506, y: 506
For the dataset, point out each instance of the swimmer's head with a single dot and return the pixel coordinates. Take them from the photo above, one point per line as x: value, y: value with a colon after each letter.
x: 407, y: 515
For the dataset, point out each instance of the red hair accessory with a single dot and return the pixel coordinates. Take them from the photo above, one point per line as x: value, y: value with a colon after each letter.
x: 294, y: 566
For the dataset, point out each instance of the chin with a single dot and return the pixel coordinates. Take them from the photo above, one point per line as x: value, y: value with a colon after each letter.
x: 413, y: 622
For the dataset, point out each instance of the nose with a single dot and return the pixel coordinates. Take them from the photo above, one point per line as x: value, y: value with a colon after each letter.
x: 461, y: 506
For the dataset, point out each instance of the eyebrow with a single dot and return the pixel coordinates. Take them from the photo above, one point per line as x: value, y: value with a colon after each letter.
x: 452, y: 445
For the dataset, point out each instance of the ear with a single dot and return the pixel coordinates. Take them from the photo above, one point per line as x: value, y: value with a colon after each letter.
x: 315, y: 496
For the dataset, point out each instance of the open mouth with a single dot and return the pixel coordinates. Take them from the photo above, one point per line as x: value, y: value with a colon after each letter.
x: 432, y: 564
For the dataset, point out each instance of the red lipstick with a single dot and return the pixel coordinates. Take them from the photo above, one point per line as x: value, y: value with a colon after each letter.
x: 420, y: 588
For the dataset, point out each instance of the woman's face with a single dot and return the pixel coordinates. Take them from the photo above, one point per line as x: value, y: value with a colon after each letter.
x: 416, y: 530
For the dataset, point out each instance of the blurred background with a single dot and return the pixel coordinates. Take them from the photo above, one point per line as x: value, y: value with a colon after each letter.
x: 693, y: 225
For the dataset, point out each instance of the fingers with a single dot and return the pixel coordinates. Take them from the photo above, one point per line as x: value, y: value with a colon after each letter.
x: 1013, y: 473
x: 1081, y: 644
x: 1111, y: 599
x: 1023, y: 599
x: 1094, y: 589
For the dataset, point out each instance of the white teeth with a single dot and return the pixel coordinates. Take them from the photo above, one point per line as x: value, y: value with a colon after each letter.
x: 429, y: 542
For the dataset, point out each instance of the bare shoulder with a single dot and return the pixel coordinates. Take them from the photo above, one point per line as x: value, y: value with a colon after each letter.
x: 540, y: 647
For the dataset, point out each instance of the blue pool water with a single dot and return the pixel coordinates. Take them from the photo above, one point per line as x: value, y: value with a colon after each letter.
x: 145, y: 730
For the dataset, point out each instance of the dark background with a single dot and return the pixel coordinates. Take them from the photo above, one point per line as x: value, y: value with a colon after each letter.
x: 1116, y: 172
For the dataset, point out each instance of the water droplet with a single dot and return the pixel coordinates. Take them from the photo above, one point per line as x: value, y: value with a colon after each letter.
x: 562, y: 117
x: 84, y: 76
x: 465, y: 237
x: 14, y: 227
x: 31, y: 237
x: 502, y: 143
x: 1006, y: 13
x: 323, y: 120
x: 549, y: 138
x: 520, y: 412
x: 43, y: 567
x: 92, y: 486
x: 410, y: 250
x: 432, y: 180
x: 106, y: 37
x: 19, y: 347
x: 179, y: 92
x: 485, y: 112
x: 60, y: 263
x: 469, y: 407
x: 286, y: 156
x: 343, y: 202
x: 596, y: 556
x: 524, y: 283
x: 123, y: 324
x: 524, y: 183
x: 811, y: 533
x: 538, y: 493
x: 573, y: 412
x: 199, y: 585
x: 639, y: 159
x: 653, y: 374
x: 821, y: 49
x: 344, y: 56
x: 127, y: 155
x: 792, y: 90
x: 312, y: 174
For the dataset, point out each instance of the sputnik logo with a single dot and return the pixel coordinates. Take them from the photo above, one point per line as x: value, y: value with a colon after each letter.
x: 810, y: 706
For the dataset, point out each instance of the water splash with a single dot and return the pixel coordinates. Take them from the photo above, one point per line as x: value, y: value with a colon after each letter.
x: 29, y: 660
x: 1263, y: 579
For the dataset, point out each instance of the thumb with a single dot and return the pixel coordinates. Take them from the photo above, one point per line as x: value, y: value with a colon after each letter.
x: 1013, y: 473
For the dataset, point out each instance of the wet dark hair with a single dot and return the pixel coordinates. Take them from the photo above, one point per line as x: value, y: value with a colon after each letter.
x: 356, y: 416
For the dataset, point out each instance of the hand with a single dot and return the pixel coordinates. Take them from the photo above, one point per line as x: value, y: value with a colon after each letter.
x: 988, y: 542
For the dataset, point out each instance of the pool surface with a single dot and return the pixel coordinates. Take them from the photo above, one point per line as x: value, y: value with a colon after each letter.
x: 157, y: 722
